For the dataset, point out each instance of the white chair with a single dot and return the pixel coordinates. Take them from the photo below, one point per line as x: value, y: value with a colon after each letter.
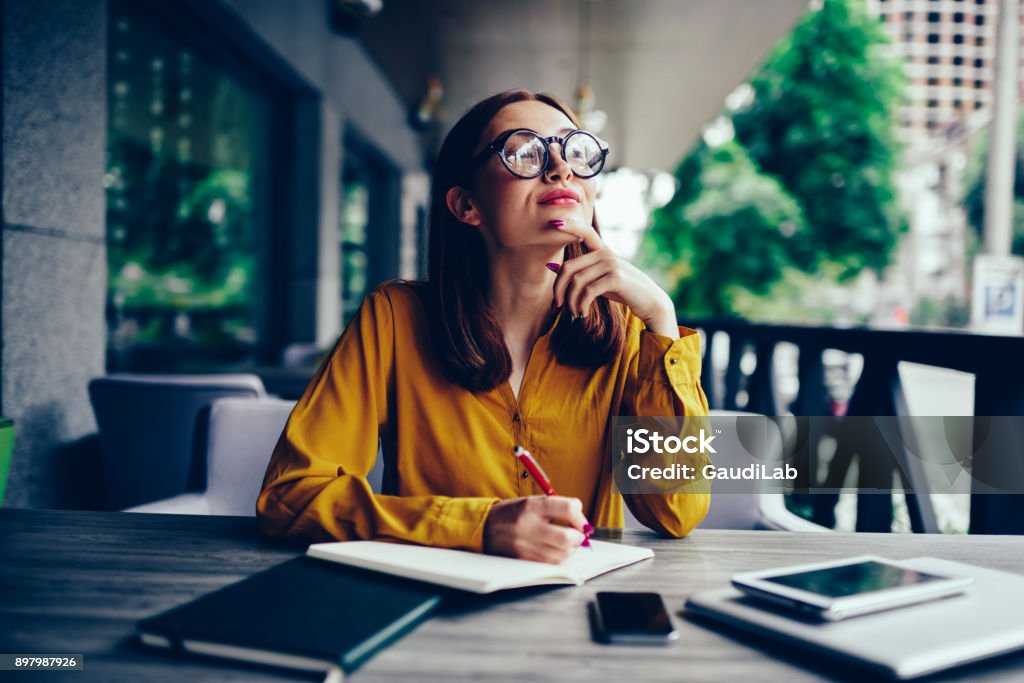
x: 243, y: 433
x: 152, y: 430
x: 750, y: 505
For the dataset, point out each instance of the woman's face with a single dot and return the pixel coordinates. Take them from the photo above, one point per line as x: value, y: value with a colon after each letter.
x: 517, y: 212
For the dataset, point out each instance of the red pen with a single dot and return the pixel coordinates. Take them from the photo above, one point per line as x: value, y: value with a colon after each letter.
x: 537, y: 473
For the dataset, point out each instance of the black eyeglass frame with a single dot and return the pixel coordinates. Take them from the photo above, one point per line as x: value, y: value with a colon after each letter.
x: 498, y: 146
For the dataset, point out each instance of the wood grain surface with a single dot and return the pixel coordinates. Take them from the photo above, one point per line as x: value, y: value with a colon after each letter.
x: 76, y: 582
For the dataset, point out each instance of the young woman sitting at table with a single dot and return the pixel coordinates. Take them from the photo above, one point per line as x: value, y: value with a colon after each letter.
x: 528, y: 331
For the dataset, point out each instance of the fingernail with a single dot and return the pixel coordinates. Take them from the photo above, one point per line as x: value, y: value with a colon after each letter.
x: 588, y: 529
x: 586, y: 542
x: 557, y: 222
x: 553, y: 267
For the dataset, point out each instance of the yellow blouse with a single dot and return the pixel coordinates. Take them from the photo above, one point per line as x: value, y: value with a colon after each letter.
x: 448, y: 451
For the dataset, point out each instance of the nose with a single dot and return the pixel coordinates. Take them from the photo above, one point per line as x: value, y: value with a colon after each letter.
x: 557, y: 168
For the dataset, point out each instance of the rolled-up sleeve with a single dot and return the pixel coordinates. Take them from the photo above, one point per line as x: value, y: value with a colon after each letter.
x: 664, y: 380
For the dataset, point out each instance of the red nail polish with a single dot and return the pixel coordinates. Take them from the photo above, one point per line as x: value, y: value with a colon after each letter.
x: 588, y: 529
x: 557, y: 222
x: 553, y: 267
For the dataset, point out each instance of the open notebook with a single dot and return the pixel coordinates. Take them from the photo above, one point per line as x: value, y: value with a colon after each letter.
x: 475, y: 572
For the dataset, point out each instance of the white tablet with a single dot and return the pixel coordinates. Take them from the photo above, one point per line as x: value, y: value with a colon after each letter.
x: 846, y: 588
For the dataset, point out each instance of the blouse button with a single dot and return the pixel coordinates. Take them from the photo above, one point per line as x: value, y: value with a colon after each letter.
x: 515, y: 418
x: 525, y: 474
x: 673, y: 361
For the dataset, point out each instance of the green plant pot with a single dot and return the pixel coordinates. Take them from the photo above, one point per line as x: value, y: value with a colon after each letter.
x: 6, y: 449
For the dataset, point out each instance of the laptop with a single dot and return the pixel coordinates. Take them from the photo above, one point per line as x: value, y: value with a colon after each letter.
x: 985, y: 621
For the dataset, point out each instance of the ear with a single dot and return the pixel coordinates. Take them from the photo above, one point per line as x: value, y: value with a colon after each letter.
x: 461, y: 205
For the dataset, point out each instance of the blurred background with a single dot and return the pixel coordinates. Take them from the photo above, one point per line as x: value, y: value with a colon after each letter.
x: 212, y: 186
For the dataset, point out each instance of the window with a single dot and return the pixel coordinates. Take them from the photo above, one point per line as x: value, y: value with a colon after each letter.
x: 979, y: 19
x: 958, y: 39
x: 979, y: 84
x: 933, y: 38
x: 355, y: 218
x: 958, y: 104
x: 183, y: 153
x: 933, y: 17
x: 369, y: 221
x: 933, y: 59
x: 979, y: 62
x: 979, y: 40
x: 958, y: 17
x: 957, y: 81
x: 933, y: 81
x: 958, y: 60
x: 932, y: 104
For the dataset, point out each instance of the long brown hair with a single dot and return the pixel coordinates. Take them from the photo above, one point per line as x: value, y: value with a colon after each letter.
x: 466, y: 336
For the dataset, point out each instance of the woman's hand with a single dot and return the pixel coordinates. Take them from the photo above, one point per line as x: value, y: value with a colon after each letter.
x: 534, y: 528
x: 600, y: 272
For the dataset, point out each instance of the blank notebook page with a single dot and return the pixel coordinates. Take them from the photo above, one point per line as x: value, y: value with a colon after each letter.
x: 475, y: 571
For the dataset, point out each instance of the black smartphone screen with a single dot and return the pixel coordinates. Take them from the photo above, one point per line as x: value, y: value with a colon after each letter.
x: 633, y: 616
x: 853, y: 579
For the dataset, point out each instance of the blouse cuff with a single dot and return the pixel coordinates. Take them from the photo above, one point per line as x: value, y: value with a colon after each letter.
x: 460, y: 523
x: 676, y: 361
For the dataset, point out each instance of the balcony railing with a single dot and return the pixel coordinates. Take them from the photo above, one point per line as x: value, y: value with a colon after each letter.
x: 994, y: 360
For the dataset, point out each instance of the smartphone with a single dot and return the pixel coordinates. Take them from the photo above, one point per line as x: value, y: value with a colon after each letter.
x: 832, y: 591
x: 633, y: 618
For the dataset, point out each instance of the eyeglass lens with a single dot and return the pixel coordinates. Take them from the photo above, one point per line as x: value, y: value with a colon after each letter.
x: 525, y: 154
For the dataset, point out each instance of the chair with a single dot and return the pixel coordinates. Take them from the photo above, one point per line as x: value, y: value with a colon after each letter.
x: 758, y: 509
x: 152, y: 430
x: 926, y: 392
x: 243, y: 433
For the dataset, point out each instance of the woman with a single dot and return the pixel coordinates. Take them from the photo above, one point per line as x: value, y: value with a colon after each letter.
x: 529, y: 331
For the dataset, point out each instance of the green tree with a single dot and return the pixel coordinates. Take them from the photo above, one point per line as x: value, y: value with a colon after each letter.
x: 823, y: 121
x: 727, y: 227
x: 806, y: 183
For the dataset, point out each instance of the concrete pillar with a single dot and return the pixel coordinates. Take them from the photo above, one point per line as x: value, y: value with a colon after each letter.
x: 54, y: 259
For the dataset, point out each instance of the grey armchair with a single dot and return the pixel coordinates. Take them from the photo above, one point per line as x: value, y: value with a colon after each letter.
x: 243, y: 433
x: 152, y: 430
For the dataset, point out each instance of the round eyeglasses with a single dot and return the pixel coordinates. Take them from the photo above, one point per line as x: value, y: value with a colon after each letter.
x: 526, y: 154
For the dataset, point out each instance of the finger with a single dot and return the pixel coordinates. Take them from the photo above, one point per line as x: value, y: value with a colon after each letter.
x: 563, y: 509
x: 568, y: 270
x: 557, y: 536
x: 558, y: 541
x: 586, y: 234
x: 582, y: 283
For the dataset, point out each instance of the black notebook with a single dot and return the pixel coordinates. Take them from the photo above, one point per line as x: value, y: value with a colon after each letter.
x: 303, y: 614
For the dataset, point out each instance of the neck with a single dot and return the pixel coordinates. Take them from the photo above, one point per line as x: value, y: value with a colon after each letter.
x: 521, y: 292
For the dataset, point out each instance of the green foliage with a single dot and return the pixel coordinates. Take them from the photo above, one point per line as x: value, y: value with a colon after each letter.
x: 823, y: 121
x: 974, y: 181
x: 181, y: 239
x: 806, y: 185
x: 946, y: 313
x: 733, y: 215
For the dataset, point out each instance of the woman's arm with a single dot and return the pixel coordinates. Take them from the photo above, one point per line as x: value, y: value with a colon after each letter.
x: 315, y: 487
x: 663, y: 379
x: 663, y: 376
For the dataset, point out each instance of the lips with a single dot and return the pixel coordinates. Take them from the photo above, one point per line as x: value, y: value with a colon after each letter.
x: 560, y: 197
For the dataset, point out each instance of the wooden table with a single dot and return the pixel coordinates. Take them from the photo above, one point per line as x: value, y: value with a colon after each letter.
x: 76, y: 582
